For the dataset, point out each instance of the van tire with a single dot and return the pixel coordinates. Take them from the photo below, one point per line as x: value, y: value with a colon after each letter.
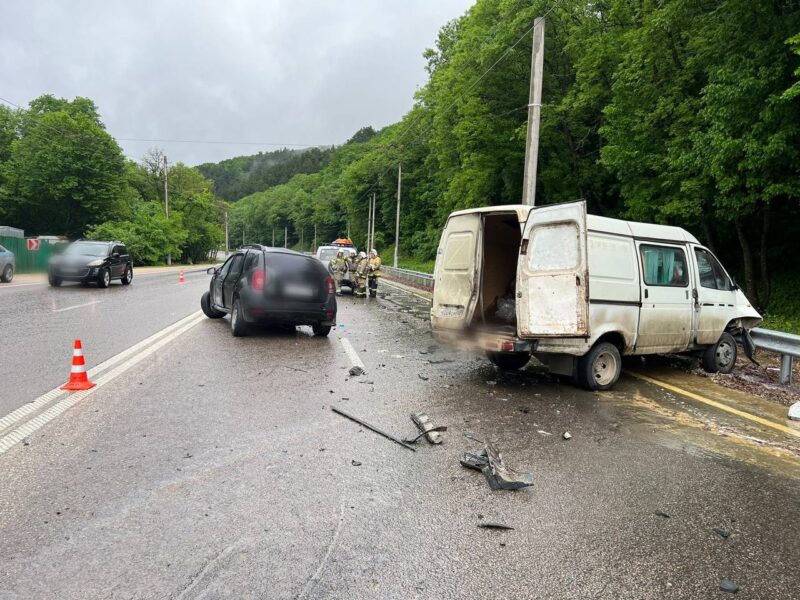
x: 600, y: 368
x: 721, y: 357
x: 509, y: 361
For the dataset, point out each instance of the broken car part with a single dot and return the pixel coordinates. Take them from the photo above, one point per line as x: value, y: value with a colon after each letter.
x: 491, y: 525
x: 423, y: 423
x: 377, y: 430
x: 416, y: 439
x: 502, y: 477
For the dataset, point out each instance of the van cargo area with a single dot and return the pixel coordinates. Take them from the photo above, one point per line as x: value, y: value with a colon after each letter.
x: 496, y: 309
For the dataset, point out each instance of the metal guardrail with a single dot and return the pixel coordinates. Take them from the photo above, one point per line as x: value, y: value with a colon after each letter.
x: 785, y: 344
x: 415, y: 278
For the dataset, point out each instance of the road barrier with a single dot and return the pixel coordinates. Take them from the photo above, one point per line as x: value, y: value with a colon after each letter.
x: 417, y: 279
x: 785, y: 344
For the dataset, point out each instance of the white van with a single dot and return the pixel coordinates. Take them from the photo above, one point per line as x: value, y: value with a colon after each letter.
x: 579, y: 291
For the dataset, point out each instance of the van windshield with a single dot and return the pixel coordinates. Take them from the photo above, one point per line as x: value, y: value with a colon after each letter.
x: 328, y: 253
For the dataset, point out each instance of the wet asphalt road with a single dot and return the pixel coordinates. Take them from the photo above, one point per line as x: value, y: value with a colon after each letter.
x: 215, y: 469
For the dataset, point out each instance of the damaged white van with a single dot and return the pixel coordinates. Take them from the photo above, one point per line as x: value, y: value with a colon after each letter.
x: 578, y: 291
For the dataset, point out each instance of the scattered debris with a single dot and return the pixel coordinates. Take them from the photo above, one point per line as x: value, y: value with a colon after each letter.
x: 355, y: 463
x: 723, y: 533
x: 423, y: 377
x: 493, y: 525
x: 525, y: 409
x: 543, y: 432
x: 414, y: 440
x: 490, y: 382
x: 660, y: 513
x: 423, y: 423
x: 726, y: 585
x: 356, y: 371
x: 498, y: 475
x: 377, y: 430
x: 439, y: 362
x: 567, y: 435
x: 794, y: 412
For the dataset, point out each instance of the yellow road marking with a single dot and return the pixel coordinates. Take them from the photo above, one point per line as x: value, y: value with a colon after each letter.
x: 715, y: 404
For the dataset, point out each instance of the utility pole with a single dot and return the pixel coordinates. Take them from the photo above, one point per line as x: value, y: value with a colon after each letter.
x: 397, y: 217
x: 285, y: 234
x: 273, y: 237
x: 315, y: 238
x: 369, y: 221
x: 374, y: 210
x: 534, y: 114
x: 243, y: 230
x: 301, y: 239
x: 226, y: 234
x: 166, y: 203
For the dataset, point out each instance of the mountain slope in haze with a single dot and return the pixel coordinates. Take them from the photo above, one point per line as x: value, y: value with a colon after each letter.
x: 235, y: 178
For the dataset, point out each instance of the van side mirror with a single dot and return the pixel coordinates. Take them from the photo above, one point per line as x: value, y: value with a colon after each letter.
x: 734, y: 285
x: 115, y: 255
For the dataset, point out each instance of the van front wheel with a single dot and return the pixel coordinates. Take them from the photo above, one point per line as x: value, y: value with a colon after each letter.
x: 721, y: 357
x: 509, y: 361
x: 600, y: 368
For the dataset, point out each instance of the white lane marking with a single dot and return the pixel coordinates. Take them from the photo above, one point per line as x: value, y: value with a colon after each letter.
x: 70, y: 399
x: 55, y: 310
x: 16, y: 285
x: 352, y: 354
x: 397, y: 287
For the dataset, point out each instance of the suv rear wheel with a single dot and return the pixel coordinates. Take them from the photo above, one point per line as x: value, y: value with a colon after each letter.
x: 599, y: 368
x: 321, y: 330
x: 127, y: 276
x: 238, y: 324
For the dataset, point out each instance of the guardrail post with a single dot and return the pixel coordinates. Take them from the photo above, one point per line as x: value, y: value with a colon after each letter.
x: 786, y: 369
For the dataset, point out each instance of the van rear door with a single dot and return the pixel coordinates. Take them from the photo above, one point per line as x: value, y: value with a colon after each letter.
x: 553, y: 273
x: 455, y: 275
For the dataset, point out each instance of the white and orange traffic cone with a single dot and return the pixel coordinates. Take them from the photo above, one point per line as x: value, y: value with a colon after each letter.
x: 181, y: 279
x: 77, y: 376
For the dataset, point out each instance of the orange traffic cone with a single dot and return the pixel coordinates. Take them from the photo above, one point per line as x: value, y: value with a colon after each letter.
x: 181, y: 279
x: 77, y: 376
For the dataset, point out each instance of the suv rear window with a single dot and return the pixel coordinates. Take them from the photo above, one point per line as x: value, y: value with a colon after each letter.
x: 287, y: 263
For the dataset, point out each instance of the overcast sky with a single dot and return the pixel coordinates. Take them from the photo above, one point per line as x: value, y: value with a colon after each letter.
x: 280, y: 71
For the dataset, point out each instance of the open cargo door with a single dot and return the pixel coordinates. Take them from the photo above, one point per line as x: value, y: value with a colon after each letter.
x: 455, y: 277
x: 553, y: 273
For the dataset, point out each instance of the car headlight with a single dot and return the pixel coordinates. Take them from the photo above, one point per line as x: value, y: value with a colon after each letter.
x: 95, y: 263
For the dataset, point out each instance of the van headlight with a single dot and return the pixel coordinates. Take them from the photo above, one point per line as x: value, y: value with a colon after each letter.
x: 95, y: 263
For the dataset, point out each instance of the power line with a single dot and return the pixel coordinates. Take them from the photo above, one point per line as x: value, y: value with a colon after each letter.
x: 229, y: 143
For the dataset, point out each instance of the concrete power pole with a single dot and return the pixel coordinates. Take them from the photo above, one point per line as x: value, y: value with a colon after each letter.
x: 273, y: 237
x: 397, y: 216
x: 226, y: 234
x: 166, y: 203
x: 374, y: 210
x: 534, y: 114
x: 285, y: 235
x: 315, y: 238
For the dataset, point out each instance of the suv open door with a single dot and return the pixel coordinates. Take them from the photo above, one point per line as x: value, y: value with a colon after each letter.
x: 457, y: 260
x: 553, y: 273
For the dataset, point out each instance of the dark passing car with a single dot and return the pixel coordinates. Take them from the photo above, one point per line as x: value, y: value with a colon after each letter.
x: 8, y: 263
x: 91, y: 262
x: 271, y: 285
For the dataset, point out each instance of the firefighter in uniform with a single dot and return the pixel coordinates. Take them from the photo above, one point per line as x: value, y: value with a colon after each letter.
x: 374, y: 272
x: 361, y: 271
x: 338, y: 266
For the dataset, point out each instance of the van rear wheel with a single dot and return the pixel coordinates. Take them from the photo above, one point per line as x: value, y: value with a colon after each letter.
x: 721, y: 357
x: 600, y: 368
x: 509, y: 361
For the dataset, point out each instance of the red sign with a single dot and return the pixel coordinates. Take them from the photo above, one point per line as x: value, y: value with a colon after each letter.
x: 33, y: 244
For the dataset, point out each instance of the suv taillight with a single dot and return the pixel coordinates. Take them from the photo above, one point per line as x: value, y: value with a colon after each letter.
x: 331, y: 285
x: 257, y: 281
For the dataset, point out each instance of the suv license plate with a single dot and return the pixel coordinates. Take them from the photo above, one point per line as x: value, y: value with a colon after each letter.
x: 298, y: 291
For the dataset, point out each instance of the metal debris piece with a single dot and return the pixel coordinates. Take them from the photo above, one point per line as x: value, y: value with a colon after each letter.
x: 377, y: 430
x: 414, y: 440
x: 356, y: 371
x: 500, y: 476
x: 355, y: 463
x: 726, y: 585
x: 475, y: 461
x: 567, y: 435
x: 543, y: 432
x: 423, y: 423
x: 723, y: 533
x: 794, y: 412
x: 423, y: 377
x: 525, y: 409
x: 660, y: 513
x: 493, y: 525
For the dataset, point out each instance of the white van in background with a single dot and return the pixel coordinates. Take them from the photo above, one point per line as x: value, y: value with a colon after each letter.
x: 579, y: 291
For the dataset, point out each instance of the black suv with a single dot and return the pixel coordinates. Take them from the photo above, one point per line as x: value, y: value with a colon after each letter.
x: 272, y: 285
x: 91, y: 262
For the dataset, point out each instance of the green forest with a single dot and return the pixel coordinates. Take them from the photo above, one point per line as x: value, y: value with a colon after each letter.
x: 62, y: 173
x: 673, y: 111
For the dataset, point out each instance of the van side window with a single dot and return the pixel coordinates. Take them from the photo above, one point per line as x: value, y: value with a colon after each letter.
x: 712, y: 275
x: 663, y: 265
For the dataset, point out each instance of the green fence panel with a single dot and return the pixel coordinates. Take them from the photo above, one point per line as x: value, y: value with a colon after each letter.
x: 29, y: 261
